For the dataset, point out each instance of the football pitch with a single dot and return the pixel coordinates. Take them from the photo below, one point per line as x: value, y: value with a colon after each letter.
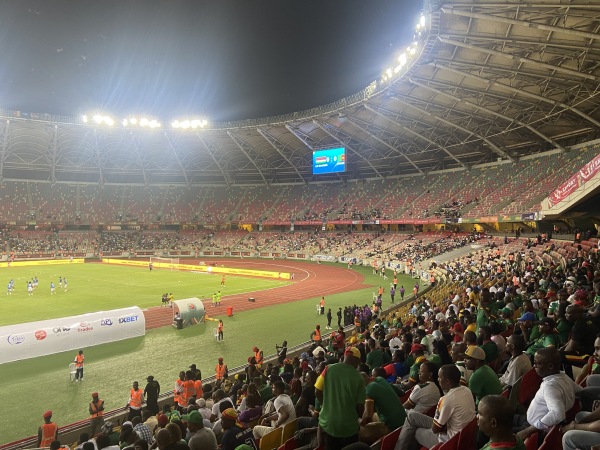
x: 111, y: 368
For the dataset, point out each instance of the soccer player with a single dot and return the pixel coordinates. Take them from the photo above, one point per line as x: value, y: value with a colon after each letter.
x: 65, y: 281
x: 219, y: 298
x: 29, y: 288
x: 60, y: 282
x: 52, y: 288
x: 223, y: 280
x: 214, y: 300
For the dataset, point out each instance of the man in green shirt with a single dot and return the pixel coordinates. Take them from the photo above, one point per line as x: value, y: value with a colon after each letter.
x: 380, y: 398
x: 485, y: 342
x: 341, y: 391
x: 375, y: 355
x: 494, y: 419
x: 483, y: 380
x: 548, y: 337
x: 417, y: 351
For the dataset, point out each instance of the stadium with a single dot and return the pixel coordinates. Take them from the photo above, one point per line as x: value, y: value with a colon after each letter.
x: 462, y: 158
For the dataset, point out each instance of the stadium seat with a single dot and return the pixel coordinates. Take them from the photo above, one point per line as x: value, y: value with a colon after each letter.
x: 553, y: 440
x: 290, y: 444
x: 467, y: 435
x: 72, y: 371
x: 388, y: 442
x: 531, y: 443
x: 288, y: 430
x: 215, y: 334
x: 271, y: 440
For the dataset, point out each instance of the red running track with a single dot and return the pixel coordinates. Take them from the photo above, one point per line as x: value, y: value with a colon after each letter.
x: 311, y: 280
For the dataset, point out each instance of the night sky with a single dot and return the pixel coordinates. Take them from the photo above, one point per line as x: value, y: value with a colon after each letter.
x: 219, y: 59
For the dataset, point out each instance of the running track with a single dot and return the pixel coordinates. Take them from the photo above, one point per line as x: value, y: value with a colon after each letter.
x: 311, y: 280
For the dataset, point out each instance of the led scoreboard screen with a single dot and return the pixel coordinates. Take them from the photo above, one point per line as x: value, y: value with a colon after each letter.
x: 329, y: 161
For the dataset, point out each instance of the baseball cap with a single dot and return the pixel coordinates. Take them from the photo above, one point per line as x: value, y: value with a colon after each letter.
x: 437, y: 334
x: 550, y: 294
x: 229, y: 413
x: 47, y: 414
x: 475, y: 352
x: 416, y: 348
x: 352, y: 351
x: 201, y: 403
x: 506, y: 311
x: 527, y: 316
x: 193, y: 417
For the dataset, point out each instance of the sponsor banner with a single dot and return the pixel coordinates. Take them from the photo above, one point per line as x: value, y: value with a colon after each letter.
x: 583, y: 175
x: 202, y: 268
x: 324, y: 258
x: 46, y: 337
x: 51, y: 262
x: 276, y: 222
x: 309, y: 222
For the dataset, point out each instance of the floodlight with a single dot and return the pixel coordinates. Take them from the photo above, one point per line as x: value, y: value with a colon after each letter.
x: 422, y: 21
x: 389, y: 72
x: 402, y: 59
x: 144, y: 122
x: 84, y: 118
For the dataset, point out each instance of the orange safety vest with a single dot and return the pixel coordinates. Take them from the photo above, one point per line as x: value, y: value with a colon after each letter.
x: 317, y: 335
x: 177, y: 391
x: 189, y: 390
x: 79, y: 361
x: 220, y: 327
x: 322, y: 303
x: 48, y: 434
x: 199, y: 390
x: 220, y: 371
x: 97, y: 408
x: 258, y: 357
x: 135, y: 400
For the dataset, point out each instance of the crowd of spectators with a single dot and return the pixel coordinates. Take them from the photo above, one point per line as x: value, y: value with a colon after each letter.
x: 503, y: 322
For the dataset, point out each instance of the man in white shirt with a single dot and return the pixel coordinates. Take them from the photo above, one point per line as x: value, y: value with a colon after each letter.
x: 554, y: 398
x: 395, y: 343
x: 284, y: 412
x: 519, y: 363
x: 455, y: 411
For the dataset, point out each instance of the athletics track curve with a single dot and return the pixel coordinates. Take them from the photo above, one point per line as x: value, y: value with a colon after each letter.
x: 310, y: 280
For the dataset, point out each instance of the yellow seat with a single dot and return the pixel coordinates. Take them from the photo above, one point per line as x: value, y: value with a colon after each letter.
x: 288, y: 430
x: 271, y: 440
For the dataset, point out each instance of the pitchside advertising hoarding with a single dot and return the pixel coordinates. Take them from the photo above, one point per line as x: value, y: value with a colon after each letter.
x: 46, y: 337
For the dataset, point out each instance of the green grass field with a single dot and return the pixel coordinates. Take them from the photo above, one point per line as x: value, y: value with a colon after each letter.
x: 111, y: 368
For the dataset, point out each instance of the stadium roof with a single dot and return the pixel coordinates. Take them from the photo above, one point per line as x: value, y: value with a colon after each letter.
x: 483, y: 81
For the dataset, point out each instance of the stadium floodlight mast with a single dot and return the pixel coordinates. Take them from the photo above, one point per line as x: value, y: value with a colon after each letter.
x: 143, y: 122
x: 411, y: 50
x: 99, y: 119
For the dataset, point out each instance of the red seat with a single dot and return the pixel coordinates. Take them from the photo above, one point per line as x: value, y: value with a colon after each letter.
x: 553, y: 440
x: 467, y: 435
x: 531, y: 443
x: 431, y: 411
x: 570, y: 416
x: 388, y: 442
x: 530, y: 384
x: 406, y: 395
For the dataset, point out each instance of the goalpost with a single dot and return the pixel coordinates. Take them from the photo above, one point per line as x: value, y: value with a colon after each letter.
x: 164, y: 263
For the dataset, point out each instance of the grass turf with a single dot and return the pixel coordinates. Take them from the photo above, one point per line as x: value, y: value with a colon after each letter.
x: 111, y: 368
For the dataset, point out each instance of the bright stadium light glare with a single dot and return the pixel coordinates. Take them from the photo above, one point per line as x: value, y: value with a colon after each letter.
x: 389, y: 72
x: 133, y: 121
x: 144, y: 122
x: 185, y: 124
x: 98, y: 118
x: 402, y: 59
x: 175, y: 124
x: 189, y: 123
x: 397, y: 69
x: 84, y: 118
x: 108, y: 121
x: 125, y: 122
x: 422, y: 21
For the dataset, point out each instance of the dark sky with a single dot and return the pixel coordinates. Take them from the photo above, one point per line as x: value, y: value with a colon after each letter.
x: 220, y: 59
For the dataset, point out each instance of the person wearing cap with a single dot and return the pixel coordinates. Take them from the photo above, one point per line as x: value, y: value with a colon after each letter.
x: 547, y: 337
x: 518, y: 364
x: 483, y: 380
x: 284, y: 412
x: 234, y: 434
x: 201, y: 438
x: 96, y: 409
x: 341, y: 391
x: 555, y: 396
x: 417, y: 351
x: 454, y: 411
x: 48, y: 432
x: 526, y: 323
x: 151, y: 393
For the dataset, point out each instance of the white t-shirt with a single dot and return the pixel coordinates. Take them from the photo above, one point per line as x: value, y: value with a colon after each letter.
x: 424, y: 397
x: 283, y: 403
x: 456, y: 410
x: 395, y: 341
x: 215, y: 408
x: 517, y: 367
x: 552, y: 401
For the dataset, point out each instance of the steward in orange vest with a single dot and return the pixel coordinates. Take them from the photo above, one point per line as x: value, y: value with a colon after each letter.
x: 258, y: 356
x: 135, y: 401
x: 48, y: 432
x: 178, y: 388
x: 96, y: 413
x: 316, y: 335
x: 189, y: 389
x: 221, y: 370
